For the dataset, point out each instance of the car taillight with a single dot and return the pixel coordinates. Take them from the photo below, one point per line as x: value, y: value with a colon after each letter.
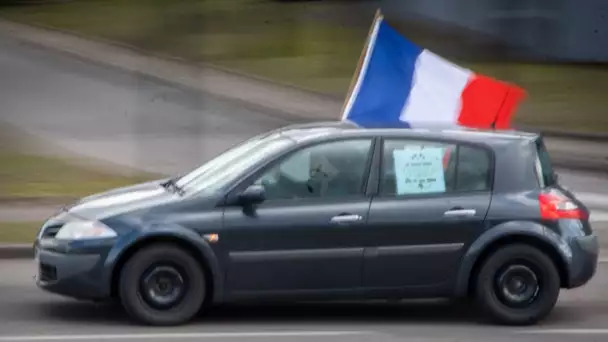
x: 554, y: 206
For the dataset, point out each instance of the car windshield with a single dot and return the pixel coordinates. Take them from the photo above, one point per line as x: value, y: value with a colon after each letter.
x: 228, y: 166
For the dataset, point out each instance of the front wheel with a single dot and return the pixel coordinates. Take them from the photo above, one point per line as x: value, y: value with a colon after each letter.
x: 162, y: 285
x: 517, y: 285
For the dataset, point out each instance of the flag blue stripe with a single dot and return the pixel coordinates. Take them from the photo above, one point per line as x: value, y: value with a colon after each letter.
x: 387, y: 80
x: 373, y: 123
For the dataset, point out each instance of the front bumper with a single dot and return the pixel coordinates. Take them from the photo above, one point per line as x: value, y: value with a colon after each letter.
x: 76, y: 273
x: 583, y: 264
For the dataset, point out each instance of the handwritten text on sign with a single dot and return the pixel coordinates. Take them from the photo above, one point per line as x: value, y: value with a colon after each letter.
x: 419, y: 170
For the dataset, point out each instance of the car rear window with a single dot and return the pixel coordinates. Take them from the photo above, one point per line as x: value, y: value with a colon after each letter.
x: 473, y: 170
x: 544, y: 167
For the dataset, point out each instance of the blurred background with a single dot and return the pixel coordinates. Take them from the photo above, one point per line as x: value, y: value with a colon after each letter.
x: 70, y: 128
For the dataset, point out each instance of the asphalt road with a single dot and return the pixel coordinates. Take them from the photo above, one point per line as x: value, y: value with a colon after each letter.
x: 29, y: 314
x: 133, y: 120
x: 125, y: 118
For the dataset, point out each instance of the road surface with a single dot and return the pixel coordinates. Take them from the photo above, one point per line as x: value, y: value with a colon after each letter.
x: 132, y: 120
x: 29, y: 314
x: 125, y: 118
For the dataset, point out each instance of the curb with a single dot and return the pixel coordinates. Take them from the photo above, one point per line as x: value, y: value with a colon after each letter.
x: 16, y: 251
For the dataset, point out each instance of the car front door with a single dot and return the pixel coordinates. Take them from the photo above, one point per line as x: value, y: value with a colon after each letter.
x: 306, y: 237
x: 431, y: 204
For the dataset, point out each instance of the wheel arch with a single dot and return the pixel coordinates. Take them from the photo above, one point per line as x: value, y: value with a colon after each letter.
x: 207, y: 262
x: 532, y: 241
x: 483, y: 248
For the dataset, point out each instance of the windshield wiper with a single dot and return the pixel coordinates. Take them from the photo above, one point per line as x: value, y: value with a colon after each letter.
x: 171, y: 185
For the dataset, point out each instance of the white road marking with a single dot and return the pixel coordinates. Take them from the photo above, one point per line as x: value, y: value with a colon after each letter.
x: 598, y: 216
x: 180, y: 336
x: 589, y: 198
x: 566, y: 331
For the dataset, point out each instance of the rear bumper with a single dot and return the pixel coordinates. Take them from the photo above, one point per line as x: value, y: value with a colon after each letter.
x: 583, y: 264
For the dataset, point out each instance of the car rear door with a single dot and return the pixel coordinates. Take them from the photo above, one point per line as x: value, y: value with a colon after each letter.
x: 307, y: 237
x: 431, y: 203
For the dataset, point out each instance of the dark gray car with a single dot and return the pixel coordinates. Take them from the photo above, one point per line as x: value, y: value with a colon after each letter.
x: 332, y: 211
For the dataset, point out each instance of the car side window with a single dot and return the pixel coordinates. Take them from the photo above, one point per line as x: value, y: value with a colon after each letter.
x: 424, y: 167
x: 473, y: 172
x: 333, y: 169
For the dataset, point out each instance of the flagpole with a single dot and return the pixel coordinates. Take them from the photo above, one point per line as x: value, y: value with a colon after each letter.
x: 513, y: 96
x: 357, y: 72
x: 504, y: 100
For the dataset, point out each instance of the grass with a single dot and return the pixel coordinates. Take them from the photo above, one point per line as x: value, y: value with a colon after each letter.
x: 26, y: 174
x: 18, y: 232
x: 255, y: 36
x: 306, y: 44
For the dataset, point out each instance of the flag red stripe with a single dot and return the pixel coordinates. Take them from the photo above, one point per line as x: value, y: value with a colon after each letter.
x: 507, y: 111
x: 486, y: 101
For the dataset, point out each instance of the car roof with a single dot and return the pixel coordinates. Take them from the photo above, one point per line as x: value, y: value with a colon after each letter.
x: 328, y: 129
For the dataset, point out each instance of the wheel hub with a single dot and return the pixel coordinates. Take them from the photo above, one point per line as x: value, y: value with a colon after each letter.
x: 517, y: 286
x: 163, y: 287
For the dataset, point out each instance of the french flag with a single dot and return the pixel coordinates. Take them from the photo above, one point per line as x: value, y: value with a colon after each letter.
x: 399, y: 83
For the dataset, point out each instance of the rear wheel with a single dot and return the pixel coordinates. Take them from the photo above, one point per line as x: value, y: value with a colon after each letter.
x: 162, y: 285
x: 517, y: 285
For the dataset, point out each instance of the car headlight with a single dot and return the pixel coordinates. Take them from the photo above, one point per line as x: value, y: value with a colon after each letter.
x: 84, y: 230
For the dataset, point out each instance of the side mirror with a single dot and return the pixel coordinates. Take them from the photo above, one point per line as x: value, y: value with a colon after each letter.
x: 254, y: 194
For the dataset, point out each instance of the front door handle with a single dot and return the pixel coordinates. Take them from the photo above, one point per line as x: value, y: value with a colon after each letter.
x: 346, y: 218
x: 460, y: 213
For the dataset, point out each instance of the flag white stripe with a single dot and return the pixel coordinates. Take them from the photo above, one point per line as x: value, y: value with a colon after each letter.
x: 437, y: 86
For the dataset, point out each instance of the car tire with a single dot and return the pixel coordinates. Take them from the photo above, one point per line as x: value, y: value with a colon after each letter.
x: 498, y: 285
x: 153, y: 272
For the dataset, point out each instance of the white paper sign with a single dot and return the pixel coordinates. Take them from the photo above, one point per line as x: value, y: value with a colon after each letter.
x: 419, y: 170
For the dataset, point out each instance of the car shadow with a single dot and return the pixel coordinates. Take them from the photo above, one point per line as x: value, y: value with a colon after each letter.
x: 436, y: 311
x: 386, y: 312
x: 83, y: 312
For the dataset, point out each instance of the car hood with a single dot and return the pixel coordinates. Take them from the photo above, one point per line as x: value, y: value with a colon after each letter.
x: 122, y: 200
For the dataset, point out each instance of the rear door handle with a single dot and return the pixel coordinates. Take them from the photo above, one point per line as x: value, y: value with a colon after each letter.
x: 346, y: 218
x: 460, y: 213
